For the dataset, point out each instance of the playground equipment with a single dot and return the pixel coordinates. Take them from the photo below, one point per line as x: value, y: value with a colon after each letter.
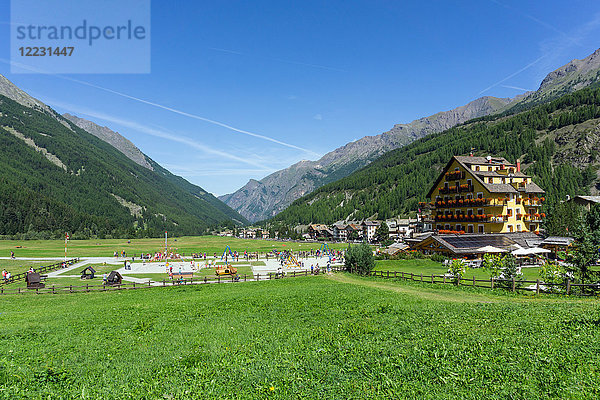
x: 88, y: 273
x: 324, y: 250
x: 114, y: 278
x: 226, y: 269
x: 291, y: 262
x: 225, y: 254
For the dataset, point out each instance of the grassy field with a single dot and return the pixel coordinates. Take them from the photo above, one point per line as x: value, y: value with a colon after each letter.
x: 316, y: 337
x: 187, y: 245
x: 18, y: 266
x: 428, y: 267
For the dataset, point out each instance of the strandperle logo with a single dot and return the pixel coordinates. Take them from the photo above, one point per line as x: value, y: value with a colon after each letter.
x: 84, y: 32
x: 86, y: 36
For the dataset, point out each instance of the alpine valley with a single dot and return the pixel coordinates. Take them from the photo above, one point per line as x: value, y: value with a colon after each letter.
x: 260, y: 200
x: 62, y: 173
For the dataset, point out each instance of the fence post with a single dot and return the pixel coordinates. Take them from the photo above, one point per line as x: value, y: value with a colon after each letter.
x: 444, y: 278
x: 244, y: 277
x: 258, y: 277
x: 164, y: 283
x: 537, y: 286
x: 134, y: 285
x: 204, y: 279
x: 568, y: 286
x: 513, y: 284
x: 70, y: 288
x: 492, y: 282
x: 388, y: 275
x: 432, y: 278
x: 294, y: 275
x: 411, y: 277
x: 421, y: 277
x: 402, y: 275
x: 473, y: 280
x: 219, y: 279
x: 87, y: 287
x: 458, y: 281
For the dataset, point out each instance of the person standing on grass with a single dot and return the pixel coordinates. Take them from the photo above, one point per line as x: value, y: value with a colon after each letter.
x: 12, y: 254
x: 4, y: 273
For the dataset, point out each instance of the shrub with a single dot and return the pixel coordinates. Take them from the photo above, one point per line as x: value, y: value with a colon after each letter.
x: 359, y: 259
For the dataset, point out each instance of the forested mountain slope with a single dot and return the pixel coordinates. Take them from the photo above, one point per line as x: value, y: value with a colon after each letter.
x: 56, y: 177
x: 558, y: 143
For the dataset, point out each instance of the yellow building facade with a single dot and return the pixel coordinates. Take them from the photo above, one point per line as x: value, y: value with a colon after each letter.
x: 485, y: 195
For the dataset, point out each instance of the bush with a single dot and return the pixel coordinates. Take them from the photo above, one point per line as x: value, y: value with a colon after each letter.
x: 438, y: 258
x: 359, y: 259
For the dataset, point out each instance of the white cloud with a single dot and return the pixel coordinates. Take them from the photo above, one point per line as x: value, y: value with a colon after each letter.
x: 318, y: 117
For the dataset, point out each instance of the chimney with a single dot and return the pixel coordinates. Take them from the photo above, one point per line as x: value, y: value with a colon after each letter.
x: 518, y: 166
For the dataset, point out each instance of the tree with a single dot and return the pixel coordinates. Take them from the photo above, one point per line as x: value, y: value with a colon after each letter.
x: 353, y: 235
x: 584, y: 252
x: 382, y: 235
x: 359, y: 259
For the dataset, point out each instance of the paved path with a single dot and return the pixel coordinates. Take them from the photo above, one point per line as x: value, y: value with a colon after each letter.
x: 82, y: 263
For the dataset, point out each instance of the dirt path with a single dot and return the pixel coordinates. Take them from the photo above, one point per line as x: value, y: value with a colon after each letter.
x: 423, y: 293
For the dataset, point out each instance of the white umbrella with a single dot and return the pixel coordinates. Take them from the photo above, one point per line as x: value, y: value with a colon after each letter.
x: 490, y: 249
x: 533, y: 250
x: 521, y: 252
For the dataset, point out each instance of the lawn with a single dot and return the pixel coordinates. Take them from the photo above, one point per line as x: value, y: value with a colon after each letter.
x: 134, y: 247
x: 315, y: 337
x: 18, y: 266
x: 428, y: 267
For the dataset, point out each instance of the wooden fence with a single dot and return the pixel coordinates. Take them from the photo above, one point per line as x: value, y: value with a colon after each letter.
x: 150, y: 284
x: 566, y: 287
x: 537, y: 286
x: 41, y: 270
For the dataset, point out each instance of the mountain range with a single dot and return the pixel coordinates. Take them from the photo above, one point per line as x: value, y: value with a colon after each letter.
x: 557, y: 142
x: 64, y: 173
x: 265, y: 198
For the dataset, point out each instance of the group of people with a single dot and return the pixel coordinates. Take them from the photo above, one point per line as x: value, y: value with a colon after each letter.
x: 5, y: 275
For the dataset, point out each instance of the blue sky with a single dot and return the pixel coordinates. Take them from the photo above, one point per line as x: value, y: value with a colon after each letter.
x: 240, y: 89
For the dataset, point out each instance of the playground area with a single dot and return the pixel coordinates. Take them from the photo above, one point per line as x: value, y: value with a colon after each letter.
x: 156, y: 269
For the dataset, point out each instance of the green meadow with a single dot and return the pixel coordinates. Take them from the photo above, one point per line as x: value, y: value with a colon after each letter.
x: 186, y: 244
x: 326, y: 337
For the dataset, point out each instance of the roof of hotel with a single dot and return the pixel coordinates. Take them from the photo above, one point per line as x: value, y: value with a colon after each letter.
x: 466, y: 161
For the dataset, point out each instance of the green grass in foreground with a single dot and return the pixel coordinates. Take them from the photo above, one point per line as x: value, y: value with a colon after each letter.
x: 19, y: 266
x: 428, y: 267
x: 186, y: 244
x: 315, y: 337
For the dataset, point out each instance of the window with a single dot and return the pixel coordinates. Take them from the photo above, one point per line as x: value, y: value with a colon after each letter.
x: 510, y: 228
x: 490, y: 180
x: 480, y: 195
x: 532, y: 227
x: 477, y: 168
x: 459, y: 227
x: 445, y: 185
x: 480, y: 228
x: 470, y: 212
x: 480, y: 211
x: 518, y: 227
x: 469, y: 182
x: 447, y: 227
x: 470, y: 229
x: 510, y: 212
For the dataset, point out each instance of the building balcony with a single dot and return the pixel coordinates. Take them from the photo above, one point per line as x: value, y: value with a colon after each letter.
x: 456, y: 189
x: 462, y: 203
x: 463, y: 218
x: 455, y: 175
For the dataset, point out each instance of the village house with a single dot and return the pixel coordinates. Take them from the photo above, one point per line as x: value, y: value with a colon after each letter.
x: 369, y: 228
x: 319, y: 231
x: 485, y: 195
x: 339, y: 232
